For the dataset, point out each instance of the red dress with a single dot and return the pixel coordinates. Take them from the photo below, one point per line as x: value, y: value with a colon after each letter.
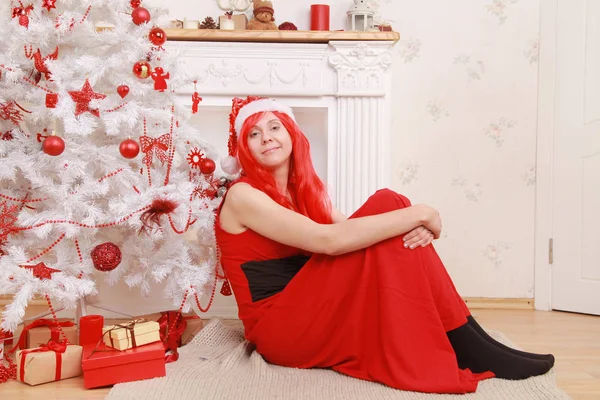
x: 379, y: 314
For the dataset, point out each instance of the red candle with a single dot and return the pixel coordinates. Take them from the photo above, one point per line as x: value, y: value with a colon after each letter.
x: 90, y: 329
x: 319, y: 17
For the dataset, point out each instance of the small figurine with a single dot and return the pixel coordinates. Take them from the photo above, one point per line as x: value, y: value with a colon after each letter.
x: 160, y: 78
x: 263, y: 16
x: 196, y: 99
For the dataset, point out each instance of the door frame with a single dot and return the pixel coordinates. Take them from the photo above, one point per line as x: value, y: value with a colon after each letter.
x: 544, y: 154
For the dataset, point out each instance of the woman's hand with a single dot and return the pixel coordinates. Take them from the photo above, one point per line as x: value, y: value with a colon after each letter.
x: 432, y: 221
x: 419, y: 236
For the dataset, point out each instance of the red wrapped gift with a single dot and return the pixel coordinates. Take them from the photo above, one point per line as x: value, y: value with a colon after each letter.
x: 104, y: 366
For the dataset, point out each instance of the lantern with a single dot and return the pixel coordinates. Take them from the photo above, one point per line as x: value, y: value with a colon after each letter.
x: 360, y: 16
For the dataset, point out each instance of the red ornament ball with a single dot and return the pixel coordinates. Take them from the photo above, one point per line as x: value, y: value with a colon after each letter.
x: 140, y: 15
x: 157, y: 36
x: 106, y: 256
x: 288, y: 26
x: 142, y: 69
x: 207, y: 166
x: 53, y: 146
x: 135, y: 3
x: 129, y: 148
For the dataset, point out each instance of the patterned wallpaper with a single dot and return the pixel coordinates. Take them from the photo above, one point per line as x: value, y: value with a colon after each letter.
x: 464, y: 128
x: 465, y: 87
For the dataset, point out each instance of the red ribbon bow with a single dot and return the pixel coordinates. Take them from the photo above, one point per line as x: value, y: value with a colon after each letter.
x: 171, y: 339
x: 51, y: 324
x: 150, y: 146
x: 57, y: 347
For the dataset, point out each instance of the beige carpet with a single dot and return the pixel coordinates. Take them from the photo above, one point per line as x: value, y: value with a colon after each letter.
x: 219, y: 365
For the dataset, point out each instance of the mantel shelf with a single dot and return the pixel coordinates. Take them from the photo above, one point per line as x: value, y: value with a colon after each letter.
x: 216, y: 35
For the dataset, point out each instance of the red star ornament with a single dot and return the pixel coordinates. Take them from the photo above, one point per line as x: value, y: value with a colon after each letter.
x: 49, y: 4
x: 83, y: 98
x: 40, y: 270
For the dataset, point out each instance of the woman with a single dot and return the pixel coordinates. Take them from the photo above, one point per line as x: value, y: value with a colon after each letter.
x: 367, y: 295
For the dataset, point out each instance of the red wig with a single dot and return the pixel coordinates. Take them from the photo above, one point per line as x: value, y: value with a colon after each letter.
x: 309, y: 196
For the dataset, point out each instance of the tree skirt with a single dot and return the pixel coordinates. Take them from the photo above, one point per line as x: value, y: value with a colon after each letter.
x: 220, y: 365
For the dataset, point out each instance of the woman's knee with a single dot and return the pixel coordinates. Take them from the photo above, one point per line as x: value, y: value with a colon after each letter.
x: 383, y: 200
x: 390, y: 197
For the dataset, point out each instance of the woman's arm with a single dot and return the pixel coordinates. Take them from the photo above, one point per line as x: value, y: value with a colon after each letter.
x: 337, y: 216
x: 257, y: 211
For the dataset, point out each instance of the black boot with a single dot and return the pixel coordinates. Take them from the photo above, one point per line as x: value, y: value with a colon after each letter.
x: 549, y: 358
x: 477, y: 354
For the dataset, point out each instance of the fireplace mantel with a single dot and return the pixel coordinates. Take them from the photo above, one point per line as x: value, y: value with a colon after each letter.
x: 349, y: 79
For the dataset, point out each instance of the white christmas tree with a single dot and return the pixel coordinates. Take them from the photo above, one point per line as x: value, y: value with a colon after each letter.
x: 100, y: 175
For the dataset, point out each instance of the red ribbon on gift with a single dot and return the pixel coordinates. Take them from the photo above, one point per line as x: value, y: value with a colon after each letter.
x: 51, y: 324
x: 57, y: 347
x: 6, y: 337
x: 172, y: 338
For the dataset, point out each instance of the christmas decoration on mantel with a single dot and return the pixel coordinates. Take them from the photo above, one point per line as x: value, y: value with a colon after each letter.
x: 263, y: 19
x: 208, y: 23
x: 77, y: 201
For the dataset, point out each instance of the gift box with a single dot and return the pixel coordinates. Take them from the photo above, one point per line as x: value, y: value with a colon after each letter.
x: 103, y: 366
x: 240, y: 21
x: 192, y: 325
x: 131, y: 334
x: 42, y: 334
x: 41, y: 331
x: 50, y: 363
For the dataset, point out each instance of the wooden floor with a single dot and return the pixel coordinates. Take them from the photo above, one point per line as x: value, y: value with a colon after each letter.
x: 574, y: 340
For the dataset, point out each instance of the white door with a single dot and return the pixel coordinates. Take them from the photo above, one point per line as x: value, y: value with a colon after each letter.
x: 576, y: 165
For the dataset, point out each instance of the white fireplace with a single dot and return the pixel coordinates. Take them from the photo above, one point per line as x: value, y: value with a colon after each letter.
x: 340, y: 92
x: 341, y: 96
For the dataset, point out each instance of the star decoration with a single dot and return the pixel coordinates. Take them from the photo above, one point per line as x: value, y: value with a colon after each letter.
x: 8, y: 217
x: 49, y: 4
x: 40, y: 270
x: 83, y: 98
x: 194, y: 158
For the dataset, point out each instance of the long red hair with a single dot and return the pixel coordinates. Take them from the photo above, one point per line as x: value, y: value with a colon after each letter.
x: 308, y: 192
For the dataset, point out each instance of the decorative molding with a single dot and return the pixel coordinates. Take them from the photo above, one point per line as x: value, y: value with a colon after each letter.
x: 226, y: 74
x: 361, y: 68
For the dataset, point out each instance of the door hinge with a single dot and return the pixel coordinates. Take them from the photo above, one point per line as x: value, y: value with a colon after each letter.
x: 551, y: 251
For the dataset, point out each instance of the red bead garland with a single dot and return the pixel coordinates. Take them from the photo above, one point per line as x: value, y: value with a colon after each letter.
x: 10, y: 372
x: 57, y: 241
x: 62, y: 333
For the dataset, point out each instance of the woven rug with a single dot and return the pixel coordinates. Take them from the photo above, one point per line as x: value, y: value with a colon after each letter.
x: 220, y: 365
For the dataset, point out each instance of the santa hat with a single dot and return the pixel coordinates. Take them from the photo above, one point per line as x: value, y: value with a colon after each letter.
x: 242, y: 109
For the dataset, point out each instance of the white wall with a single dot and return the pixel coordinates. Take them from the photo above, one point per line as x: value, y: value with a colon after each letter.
x: 465, y: 80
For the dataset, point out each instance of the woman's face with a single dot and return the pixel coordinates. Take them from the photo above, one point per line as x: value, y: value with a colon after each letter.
x: 269, y: 142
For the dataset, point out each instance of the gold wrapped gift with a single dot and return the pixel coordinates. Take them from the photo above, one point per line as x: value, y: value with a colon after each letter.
x: 131, y: 334
x: 48, y: 364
